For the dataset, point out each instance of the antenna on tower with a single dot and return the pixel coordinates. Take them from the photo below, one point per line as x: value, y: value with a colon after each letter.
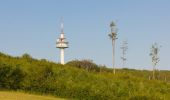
x: 124, y: 48
x: 62, y: 25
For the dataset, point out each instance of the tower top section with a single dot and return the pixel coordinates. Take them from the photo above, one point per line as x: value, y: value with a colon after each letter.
x: 61, y: 41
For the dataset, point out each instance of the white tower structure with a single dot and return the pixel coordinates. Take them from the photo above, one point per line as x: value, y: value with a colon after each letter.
x: 62, y: 43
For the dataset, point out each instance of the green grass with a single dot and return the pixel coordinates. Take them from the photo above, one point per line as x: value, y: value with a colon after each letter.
x: 5, y: 95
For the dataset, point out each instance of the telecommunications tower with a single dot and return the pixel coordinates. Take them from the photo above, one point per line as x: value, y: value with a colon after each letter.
x: 62, y: 43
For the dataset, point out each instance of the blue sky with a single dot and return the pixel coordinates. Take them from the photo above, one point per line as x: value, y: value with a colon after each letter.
x: 32, y: 26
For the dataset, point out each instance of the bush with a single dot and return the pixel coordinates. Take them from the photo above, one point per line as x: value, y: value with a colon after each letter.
x: 85, y: 64
x: 5, y: 73
x: 11, y: 77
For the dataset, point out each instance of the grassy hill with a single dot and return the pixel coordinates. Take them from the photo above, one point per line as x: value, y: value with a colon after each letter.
x: 4, y: 95
x: 81, y: 80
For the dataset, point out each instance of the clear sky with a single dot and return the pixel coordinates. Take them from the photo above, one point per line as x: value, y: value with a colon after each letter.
x: 32, y: 26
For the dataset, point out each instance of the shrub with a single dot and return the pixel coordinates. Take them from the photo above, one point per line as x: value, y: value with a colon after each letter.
x: 11, y: 77
x: 85, y: 64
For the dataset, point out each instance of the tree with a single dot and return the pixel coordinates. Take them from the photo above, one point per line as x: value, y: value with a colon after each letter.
x: 11, y: 77
x: 85, y: 64
x: 154, y: 55
x: 112, y: 36
x: 27, y: 56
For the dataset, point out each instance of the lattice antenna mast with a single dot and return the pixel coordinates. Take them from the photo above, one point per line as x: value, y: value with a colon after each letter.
x: 154, y: 56
x: 124, y: 48
x: 112, y: 36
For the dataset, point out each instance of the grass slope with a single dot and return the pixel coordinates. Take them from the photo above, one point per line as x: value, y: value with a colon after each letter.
x: 4, y: 95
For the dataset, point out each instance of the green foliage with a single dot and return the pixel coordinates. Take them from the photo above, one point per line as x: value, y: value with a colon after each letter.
x: 81, y: 80
x: 11, y: 77
x: 85, y: 64
x: 26, y: 56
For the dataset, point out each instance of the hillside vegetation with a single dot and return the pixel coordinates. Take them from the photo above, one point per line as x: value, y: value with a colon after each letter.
x: 81, y: 80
